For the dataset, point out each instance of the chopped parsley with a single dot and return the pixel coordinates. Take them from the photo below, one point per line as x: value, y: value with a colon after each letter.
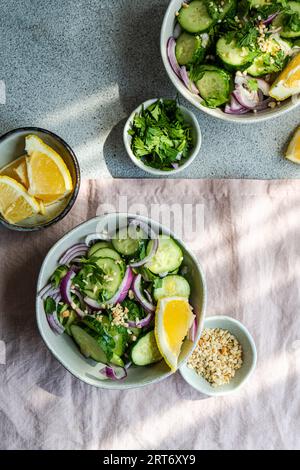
x: 161, y: 138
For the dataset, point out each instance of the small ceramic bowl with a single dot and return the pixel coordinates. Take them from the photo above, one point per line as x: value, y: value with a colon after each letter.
x: 167, y: 31
x: 65, y: 349
x: 12, y: 146
x: 196, y: 135
x: 249, y: 359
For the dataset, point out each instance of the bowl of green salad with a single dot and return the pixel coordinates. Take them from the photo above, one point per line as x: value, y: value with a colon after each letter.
x: 120, y: 301
x: 234, y: 60
x: 162, y: 137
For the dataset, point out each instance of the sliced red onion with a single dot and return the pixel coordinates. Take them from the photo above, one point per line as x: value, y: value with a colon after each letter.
x: 242, y: 80
x: 65, y: 288
x: 193, y: 330
x: 48, y: 291
x: 93, y: 237
x: 187, y: 81
x: 175, y: 165
x: 263, y: 86
x: 137, y: 290
x: 270, y: 18
x: 147, y: 294
x: 141, y: 323
x: 247, y: 99
x: 113, y: 372
x: 92, y: 303
x: 265, y: 103
x: 128, y: 364
x: 172, y: 57
x: 80, y: 249
x: 55, y: 324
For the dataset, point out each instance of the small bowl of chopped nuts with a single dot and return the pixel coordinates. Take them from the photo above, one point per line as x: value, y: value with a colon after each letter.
x: 223, y: 359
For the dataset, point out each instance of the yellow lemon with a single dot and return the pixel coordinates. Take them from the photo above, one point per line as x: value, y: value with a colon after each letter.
x: 15, y: 203
x: 174, y: 317
x: 288, y: 82
x: 10, y: 169
x: 48, y: 175
x: 21, y: 173
x: 293, y: 150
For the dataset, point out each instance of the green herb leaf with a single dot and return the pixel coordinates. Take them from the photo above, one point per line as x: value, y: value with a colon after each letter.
x: 49, y: 305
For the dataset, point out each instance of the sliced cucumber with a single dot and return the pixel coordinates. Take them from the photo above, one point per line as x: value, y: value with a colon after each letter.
x: 107, y: 253
x: 271, y: 62
x: 88, y: 344
x: 227, y: 9
x: 189, y: 49
x: 214, y: 85
x: 71, y: 320
x: 280, y: 21
x: 113, y: 275
x: 172, y: 286
x: 232, y: 56
x: 195, y: 17
x: 167, y: 258
x: 145, y: 350
x: 127, y: 243
x: 98, y: 246
x: 259, y: 3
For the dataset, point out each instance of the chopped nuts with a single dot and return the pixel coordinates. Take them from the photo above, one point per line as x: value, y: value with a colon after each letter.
x: 217, y: 356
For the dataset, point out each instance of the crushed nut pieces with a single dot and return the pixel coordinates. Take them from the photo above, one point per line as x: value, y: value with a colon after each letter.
x: 217, y: 356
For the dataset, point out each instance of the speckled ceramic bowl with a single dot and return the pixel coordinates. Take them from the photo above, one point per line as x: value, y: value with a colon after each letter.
x: 167, y: 31
x: 65, y: 349
x: 12, y: 146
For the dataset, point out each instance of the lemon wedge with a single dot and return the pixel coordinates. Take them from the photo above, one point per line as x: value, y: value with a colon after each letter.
x: 288, y: 82
x: 48, y: 175
x: 15, y: 203
x: 21, y: 173
x: 293, y: 150
x: 174, y: 317
x: 10, y: 169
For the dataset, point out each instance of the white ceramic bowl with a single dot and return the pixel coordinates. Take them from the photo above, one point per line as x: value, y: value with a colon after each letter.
x: 249, y: 359
x: 65, y: 349
x: 196, y: 135
x: 166, y: 32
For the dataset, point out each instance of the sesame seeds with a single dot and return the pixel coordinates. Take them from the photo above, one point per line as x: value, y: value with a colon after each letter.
x: 217, y: 356
x: 120, y: 315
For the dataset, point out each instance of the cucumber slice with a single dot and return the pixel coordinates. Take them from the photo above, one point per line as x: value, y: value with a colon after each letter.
x: 259, y: 3
x: 125, y: 244
x: 167, y: 258
x: 107, y: 253
x: 145, y: 350
x: 214, y: 85
x: 195, y: 18
x: 232, y: 56
x: 71, y: 320
x: 266, y: 63
x: 189, y: 49
x: 227, y: 9
x: 172, y: 286
x: 88, y: 344
x: 113, y: 275
x: 279, y: 22
x: 98, y: 246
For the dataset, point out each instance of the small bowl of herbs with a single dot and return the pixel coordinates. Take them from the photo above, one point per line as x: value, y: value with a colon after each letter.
x: 162, y: 137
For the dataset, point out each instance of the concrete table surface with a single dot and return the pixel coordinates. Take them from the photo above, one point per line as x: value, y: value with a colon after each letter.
x: 79, y: 67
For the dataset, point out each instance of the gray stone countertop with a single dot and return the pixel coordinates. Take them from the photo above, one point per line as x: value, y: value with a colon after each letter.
x: 79, y: 67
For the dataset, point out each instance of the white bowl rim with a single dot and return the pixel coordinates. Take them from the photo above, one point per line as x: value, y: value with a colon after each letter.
x: 155, y: 171
x: 243, y: 119
x: 105, y: 383
x: 215, y: 392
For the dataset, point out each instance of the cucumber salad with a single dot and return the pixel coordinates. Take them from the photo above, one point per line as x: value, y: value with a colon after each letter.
x: 104, y: 292
x: 230, y: 52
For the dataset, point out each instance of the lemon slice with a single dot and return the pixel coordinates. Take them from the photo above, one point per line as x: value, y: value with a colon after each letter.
x: 174, y: 317
x: 15, y: 203
x: 21, y: 172
x: 48, y: 175
x: 288, y: 82
x: 293, y: 150
x: 10, y: 169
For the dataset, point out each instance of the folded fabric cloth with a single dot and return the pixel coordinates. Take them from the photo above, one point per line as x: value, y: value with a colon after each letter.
x: 249, y: 248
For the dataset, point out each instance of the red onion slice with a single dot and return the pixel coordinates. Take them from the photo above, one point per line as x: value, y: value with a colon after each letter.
x: 137, y: 290
x: 55, y: 324
x: 93, y: 304
x: 80, y: 249
x: 65, y: 288
x: 141, y: 323
x: 48, y: 291
x: 113, y: 372
x: 270, y: 18
x: 247, y: 99
x: 188, y: 83
x: 172, y: 57
x: 234, y: 107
